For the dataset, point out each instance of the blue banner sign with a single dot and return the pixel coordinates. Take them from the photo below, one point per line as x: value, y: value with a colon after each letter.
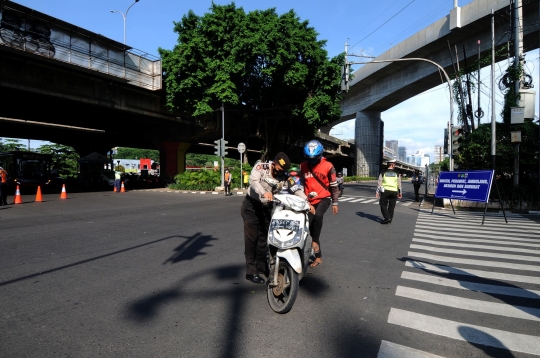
x: 474, y: 185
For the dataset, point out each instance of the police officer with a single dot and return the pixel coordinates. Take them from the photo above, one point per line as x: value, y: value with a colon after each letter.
x: 416, y: 181
x: 256, y: 211
x: 389, y: 190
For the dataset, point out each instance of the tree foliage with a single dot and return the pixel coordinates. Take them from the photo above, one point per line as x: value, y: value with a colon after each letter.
x: 64, y: 159
x: 8, y: 145
x: 270, y: 71
x: 476, y: 153
x: 136, y: 153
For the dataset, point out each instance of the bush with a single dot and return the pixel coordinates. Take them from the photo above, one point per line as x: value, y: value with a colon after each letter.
x: 355, y: 178
x: 206, y: 180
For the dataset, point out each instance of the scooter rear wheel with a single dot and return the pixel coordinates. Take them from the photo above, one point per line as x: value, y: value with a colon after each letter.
x: 281, y: 297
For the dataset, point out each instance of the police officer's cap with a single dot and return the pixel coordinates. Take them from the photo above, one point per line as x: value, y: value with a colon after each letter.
x: 391, y: 161
x: 283, y: 160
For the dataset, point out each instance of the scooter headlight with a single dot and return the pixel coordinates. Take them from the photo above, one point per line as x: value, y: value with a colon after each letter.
x: 284, y: 233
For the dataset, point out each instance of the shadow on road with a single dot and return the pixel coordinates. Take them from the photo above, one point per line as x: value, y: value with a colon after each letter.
x: 371, y: 217
x: 190, y: 248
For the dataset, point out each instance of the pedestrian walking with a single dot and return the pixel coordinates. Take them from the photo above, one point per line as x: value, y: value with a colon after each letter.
x: 117, y: 181
x: 321, y: 188
x: 388, y: 190
x: 417, y: 181
x: 3, y: 186
x: 227, y: 183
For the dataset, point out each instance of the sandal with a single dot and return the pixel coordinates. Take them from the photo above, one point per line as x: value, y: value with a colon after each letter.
x: 317, y: 255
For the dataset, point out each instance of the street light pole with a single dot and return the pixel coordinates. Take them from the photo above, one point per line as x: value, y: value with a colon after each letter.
x: 124, y: 17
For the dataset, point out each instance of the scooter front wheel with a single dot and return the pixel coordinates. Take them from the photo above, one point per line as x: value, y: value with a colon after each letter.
x: 281, y: 297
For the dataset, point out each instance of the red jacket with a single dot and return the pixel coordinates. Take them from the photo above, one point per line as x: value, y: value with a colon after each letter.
x: 326, y: 173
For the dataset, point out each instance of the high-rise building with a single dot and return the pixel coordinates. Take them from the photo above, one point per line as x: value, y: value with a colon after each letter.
x: 418, y: 159
x: 392, y: 144
x: 438, y: 154
x: 402, y: 154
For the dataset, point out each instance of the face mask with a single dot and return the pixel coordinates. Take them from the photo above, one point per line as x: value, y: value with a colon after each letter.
x: 313, y: 161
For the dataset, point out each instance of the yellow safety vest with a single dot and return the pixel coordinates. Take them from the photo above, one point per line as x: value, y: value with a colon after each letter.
x: 390, y: 181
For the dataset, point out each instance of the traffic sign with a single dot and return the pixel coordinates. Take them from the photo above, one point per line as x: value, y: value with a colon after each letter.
x: 241, y: 147
x: 473, y: 185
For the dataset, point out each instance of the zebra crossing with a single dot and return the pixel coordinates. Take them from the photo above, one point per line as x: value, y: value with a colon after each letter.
x: 369, y: 200
x: 485, y: 278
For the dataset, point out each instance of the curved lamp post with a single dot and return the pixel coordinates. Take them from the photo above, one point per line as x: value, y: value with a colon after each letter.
x: 124, y: 17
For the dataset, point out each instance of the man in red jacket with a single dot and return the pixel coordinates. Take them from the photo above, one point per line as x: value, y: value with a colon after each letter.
x: 321, y: 188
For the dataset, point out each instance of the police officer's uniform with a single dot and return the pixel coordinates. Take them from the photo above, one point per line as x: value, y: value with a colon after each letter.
x: 388, y: 187
x: 256, y: 212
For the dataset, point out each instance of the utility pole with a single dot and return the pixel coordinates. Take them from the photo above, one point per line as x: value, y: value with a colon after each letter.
x: 518, y: 62
x: 493, y: 123
x: 222, y: 140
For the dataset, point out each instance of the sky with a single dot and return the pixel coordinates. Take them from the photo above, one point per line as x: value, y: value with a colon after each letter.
x: 369, y: 27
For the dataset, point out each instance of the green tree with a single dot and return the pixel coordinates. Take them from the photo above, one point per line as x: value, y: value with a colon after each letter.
x: 476, y: 153
x: 136, y: 153
x: 64, y: 159
x: 8, y: 145
x: 270, y: 71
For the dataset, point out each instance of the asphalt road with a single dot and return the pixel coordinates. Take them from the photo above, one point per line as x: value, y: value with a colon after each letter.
x: 161, y: 274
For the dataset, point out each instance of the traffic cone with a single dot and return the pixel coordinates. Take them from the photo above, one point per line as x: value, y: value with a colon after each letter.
x: 38, y: 194
x: 18, y: 199
x: 114, y: 188
x: 122, y: 189
x: 63, y: 195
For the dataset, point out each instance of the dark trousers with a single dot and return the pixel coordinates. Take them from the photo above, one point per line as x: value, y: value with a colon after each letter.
x: 416, y: 186
x: 117, y: 184
x: 256, y: 221
x: 227, y: 188
x: 316, y: 221
x: 387, y: 202
x: 3, y: 194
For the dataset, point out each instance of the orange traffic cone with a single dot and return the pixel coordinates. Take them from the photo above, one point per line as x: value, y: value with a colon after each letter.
x: 63, y: 195
x: 18, y: 199
x: 38, y: 194
x: 122, y: 189
x: 114, y: 188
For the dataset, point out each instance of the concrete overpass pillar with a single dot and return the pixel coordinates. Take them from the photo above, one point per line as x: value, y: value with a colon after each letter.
x: 368, y: 136
x: 172, y: 158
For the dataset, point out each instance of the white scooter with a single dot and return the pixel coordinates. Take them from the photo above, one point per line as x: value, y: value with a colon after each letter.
x: 289, y: 249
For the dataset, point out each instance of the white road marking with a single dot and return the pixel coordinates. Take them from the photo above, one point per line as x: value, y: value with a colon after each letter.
x: 471, y: 286
x: 346, y: 199
x: 357, y: 200
x: 475, y: 253
x: 393, y: 350
x: 466, y: 332
x: 474, y: 262
x: 474, y: 246
x: 507, y: 239
x: 470, y: 272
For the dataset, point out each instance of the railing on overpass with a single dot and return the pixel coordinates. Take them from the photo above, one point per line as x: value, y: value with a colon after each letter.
x: 27, y: 30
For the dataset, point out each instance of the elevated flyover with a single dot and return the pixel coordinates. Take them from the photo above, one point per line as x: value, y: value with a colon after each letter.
x: 62, y: 83
x: 376, y: 88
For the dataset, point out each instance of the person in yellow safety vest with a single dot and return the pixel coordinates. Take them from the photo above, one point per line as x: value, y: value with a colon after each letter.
x: 3, y: 186
x: 389, y: 190
x: 246, y: 178
x: 227, y: 183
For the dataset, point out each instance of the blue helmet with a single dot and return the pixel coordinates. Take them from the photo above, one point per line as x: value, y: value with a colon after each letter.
x: 313, y: 151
